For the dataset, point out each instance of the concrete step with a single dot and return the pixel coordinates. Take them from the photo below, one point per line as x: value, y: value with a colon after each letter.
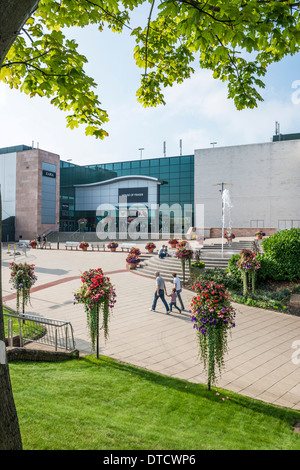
x: 169, y: 265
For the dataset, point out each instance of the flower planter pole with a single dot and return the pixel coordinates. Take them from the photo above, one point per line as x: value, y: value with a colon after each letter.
x: 248, y: 265
x: 22, y: 278
x: 97, y: 294
x: 184, y: 254
x: 213, y: 317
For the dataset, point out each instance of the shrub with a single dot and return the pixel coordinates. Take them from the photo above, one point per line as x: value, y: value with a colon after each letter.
x: 220, y: 276
x: 233, y: 267
x: 283, y: 249
x: 269, y: 269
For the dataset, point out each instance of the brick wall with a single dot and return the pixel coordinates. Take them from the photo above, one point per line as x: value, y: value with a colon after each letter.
x: 216, y: 232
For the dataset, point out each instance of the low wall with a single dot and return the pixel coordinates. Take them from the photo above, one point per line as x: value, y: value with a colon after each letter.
x: 216, y: 232
x: 39, y: 355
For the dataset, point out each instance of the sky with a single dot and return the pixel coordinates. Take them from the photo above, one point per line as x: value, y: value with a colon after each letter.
x: 197, y: 112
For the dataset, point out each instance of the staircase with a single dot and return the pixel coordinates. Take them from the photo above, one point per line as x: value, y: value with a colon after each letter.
x: 165, y: 267
x: 211, y: 255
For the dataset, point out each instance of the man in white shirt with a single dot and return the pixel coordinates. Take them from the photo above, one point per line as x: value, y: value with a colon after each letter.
x: 177, y: 285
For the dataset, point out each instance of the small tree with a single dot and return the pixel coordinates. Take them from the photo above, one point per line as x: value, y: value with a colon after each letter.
x: 213, y: 316
x: 248, y: 265
x: 97, y: 294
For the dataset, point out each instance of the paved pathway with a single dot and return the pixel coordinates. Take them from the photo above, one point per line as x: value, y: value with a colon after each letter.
x: 259, y: 363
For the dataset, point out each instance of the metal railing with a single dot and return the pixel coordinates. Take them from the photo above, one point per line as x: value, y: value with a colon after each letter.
x: 47, y: 331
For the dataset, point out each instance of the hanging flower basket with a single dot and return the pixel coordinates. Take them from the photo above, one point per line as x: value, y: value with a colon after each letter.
x: 181, y: 243
x: 22, y: 277
x: 213, y: 317
x: 185, y: 255
x: 82, y: 224
x: 97, y: 294
x: 248, y: 265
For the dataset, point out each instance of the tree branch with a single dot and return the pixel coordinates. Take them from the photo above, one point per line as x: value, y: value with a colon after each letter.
x: 107, y: 13
x: 147, y: 35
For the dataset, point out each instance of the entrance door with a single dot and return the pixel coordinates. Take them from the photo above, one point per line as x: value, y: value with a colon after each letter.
x: 67, y: 226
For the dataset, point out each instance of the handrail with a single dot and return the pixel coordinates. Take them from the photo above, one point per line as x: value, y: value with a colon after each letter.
x: 48, y: 331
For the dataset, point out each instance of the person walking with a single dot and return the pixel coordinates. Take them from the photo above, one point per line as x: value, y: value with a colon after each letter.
x: 177, y: 285
x: 173, y: 296
x: 44, y: 240
x: 160, y: 293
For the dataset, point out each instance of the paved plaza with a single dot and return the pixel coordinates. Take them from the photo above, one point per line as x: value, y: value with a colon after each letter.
x: 259, y: 362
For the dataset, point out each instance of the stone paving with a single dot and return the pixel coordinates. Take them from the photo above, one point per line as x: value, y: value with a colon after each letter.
x: 259, y: 363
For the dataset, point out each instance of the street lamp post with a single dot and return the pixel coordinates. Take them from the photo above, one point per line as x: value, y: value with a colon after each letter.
x: 141, y: 150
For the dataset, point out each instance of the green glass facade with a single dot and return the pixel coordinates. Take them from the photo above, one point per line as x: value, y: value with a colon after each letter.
x: 177, y: 174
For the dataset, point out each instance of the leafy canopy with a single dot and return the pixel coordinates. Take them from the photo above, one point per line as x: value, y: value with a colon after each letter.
x: 236, y: 39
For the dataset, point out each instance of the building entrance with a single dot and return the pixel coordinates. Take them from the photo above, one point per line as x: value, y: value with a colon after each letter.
x: 67, y: 226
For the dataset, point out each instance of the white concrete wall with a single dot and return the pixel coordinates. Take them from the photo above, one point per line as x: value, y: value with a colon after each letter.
x: 264, y: 184
x: 8, y: 184
x: 88, y: 198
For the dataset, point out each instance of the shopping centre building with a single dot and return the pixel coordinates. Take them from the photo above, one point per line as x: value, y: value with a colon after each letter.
x: 42, y: 193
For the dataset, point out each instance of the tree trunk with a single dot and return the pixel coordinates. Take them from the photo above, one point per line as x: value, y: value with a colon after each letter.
x: 13, y: 16
x: 10, y: 437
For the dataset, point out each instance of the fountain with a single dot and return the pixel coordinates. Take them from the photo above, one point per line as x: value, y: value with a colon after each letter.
x: 226, y: 214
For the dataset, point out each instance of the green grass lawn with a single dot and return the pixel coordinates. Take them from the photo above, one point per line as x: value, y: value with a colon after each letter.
x: 90, y: 404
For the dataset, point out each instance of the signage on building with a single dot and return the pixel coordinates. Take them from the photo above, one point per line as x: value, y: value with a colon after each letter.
x: 134, y: 194
x: 65, y: 210
x: 49, y: 174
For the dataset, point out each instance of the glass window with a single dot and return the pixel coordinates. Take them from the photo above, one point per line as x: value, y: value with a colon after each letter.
x: 174, y: 181
x: 154, y: 172
x: 174, y: 168
x: 174, y: 199
x: 185, y: 174
x: 185, y: 182
x: 164, y: 189
x: 164, y: 162
x: 164, y: 175
x: 125, y: 172
x: 154, y: 162
x: 144, y: 163
x: 135, y: 164
x: 186, y: 159
x: 117, y: 166
x: 126, y: 165
x: 174, y: 190
x: 185, y: 190
x: 109, y: 166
